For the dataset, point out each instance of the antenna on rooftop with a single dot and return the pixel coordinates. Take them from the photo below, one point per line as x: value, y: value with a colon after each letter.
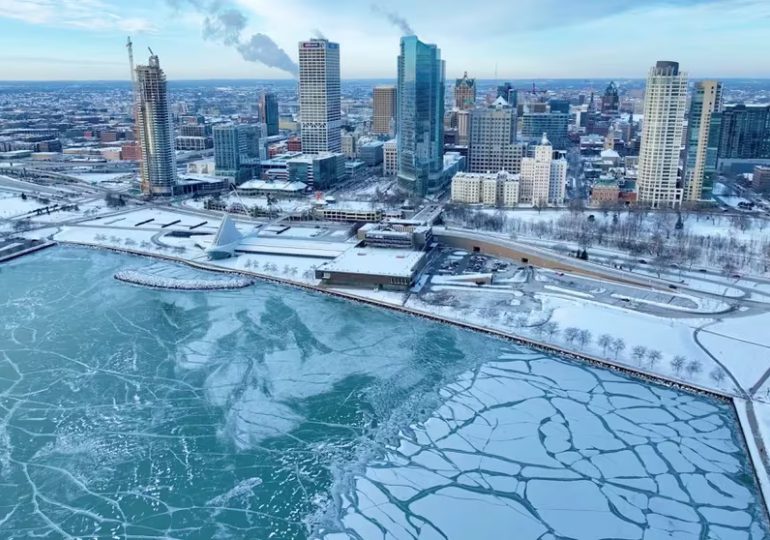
x: 150, y: 49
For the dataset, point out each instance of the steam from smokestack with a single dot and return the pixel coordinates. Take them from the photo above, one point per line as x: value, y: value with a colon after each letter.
x: 317, y: 33
x: 261, y: 48
x: 225, y: 23
x: 395, y: 19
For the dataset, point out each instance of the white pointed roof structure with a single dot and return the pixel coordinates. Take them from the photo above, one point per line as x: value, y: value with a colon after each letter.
x: 545, y: 141
x: 226, y: 240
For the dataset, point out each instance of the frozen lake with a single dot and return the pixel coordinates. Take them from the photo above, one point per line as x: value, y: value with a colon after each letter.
x: 270, y: 412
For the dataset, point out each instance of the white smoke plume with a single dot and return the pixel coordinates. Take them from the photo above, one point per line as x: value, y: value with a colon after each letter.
x: 225, y: 23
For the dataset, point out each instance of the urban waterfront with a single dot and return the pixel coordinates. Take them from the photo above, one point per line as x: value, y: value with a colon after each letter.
x: 270, y: 412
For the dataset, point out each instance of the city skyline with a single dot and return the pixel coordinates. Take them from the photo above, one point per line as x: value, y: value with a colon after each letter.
x: 536, y: 40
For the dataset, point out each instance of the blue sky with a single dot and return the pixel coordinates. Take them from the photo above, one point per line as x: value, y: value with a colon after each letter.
x: 84, y: 39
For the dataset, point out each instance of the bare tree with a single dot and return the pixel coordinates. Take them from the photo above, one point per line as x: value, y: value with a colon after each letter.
x: 618, y: 346
x: 551, y: 329
x: 585, y: 338
x: 571, y: 334
x: 694, y: 367
x: 717, y: 375
x: 605, y: 341
x: 638, y: 353
x: 678, y: 363
x: 653, y: 357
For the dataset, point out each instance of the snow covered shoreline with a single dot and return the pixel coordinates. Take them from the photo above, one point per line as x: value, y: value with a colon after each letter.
x: 573, y: 355
x: 135, y: 277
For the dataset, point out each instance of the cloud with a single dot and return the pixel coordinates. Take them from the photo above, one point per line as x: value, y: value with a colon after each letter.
x: 94, y: 15
x: 226, y: 23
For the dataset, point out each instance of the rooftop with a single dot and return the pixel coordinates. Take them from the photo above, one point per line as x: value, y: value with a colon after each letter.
x: 374, y: 261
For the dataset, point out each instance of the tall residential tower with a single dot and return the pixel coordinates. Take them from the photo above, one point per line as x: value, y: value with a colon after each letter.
x: 154, y: 130
x: 420, y: 116
x: 700, y: 162
x: 665, y: 100
x: 319, y: 96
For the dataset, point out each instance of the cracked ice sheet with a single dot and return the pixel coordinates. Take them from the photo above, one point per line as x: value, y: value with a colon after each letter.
x: 135, y: 413
x: 558, y: 450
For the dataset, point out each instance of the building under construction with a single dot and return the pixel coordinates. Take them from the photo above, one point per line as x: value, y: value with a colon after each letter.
x: 154, y: 129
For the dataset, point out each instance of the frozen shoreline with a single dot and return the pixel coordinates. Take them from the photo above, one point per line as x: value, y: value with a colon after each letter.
x: 638, y: 373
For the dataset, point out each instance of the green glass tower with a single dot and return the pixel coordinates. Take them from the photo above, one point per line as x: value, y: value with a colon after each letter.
x: 420, y: 116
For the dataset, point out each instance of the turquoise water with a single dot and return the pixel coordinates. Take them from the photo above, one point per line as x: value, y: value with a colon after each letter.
x: 134, y: 413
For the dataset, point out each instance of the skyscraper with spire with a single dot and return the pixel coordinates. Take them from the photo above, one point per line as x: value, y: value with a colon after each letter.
x: 465, y: 93
x: 154, y: 130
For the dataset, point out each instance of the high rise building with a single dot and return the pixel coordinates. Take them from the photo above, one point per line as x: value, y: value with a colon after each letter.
x: 420, y: 116
x: 556, y: 124
x: 700, y: 162
x: 319, y: 96
x: 384, y: 110
x: 508, y: 93
x: 154, y: 130
x: 611, y: 100
x: 665, y: 101
x: 465, y: 93
x: 238, y: 149
x: 268, y: 113
x: 543, y: 179
x: 745, y: 132
x: 492, y: 146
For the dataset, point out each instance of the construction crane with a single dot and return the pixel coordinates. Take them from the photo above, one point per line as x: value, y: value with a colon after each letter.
x: 130, y: 47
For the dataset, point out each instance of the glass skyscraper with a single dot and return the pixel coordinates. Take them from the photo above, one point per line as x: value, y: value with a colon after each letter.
x: 420, y: 116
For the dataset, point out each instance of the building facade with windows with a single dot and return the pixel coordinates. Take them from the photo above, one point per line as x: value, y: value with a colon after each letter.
x: 420, y: 116
x: 665, y: 101
x: 319, y: 96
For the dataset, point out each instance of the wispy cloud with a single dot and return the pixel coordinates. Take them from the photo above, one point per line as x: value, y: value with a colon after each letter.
x: 94, y: 15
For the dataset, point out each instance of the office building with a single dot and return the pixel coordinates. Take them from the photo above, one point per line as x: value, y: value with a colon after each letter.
x: 760, y: 180
x: 665, y: 100
x: 465, y: 93
x: 492, y: 146
x: 559, y: 106
x: 611, y: 101
x: 384, y: 110
x: 154, y: 130
x: 349, y: 143
x: 371, y: 153
x: 463, y: 127
x: 319, y: 96
x: 268, y: 113
x: 556, y: 124
x: 318, y: 171
x: 390, y: 158
x: 543, y: 179
x: 237, y: 151
x: 420, y: 116
x: 700, y: 156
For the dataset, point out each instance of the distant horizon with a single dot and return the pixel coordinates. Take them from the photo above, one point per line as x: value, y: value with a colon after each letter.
x: 375, y: 79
